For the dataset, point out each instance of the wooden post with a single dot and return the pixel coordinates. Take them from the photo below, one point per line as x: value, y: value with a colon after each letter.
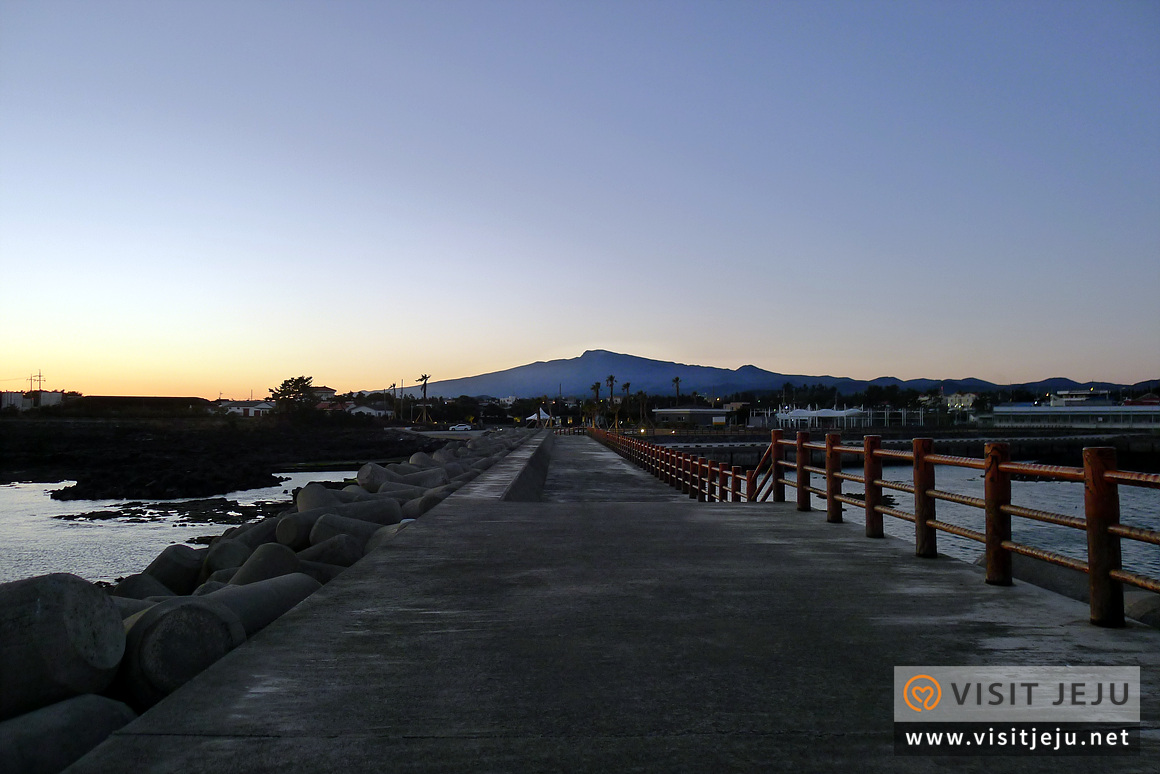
x: 710, y: 480
x: 925, y: 536
x: 872, y: 471
x: 803, y: 475
x: 777, y: 457
x: 997, y: 493
x: 735, y: 485
x: 833, y: 483
x: 1101, y: 501
x: 722, y: 482
x: 703, y: 483
x: 750, y: 485
x: 693, y: 471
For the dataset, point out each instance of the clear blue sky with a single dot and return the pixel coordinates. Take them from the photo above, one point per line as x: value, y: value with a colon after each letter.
x: 202, y: 197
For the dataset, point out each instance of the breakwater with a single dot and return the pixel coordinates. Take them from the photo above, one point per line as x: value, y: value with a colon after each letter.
x: 76, y: 662
x: 614, y: 623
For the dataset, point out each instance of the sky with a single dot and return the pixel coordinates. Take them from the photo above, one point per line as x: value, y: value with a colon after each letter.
x: 206, y: 198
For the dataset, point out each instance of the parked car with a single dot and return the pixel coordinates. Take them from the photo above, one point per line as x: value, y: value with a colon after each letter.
x: 460, y: 427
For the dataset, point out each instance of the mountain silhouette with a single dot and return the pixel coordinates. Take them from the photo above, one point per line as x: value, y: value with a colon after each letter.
x: 575, y: 377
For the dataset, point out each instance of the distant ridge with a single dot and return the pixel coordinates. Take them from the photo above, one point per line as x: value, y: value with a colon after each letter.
x: 575, y: 376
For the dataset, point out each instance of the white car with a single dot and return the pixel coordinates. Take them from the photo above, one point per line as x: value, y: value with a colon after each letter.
x: 460, y: 427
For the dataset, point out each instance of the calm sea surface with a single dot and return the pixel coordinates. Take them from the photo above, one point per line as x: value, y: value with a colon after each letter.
x: 32, y: 542
x: 1139, y: 507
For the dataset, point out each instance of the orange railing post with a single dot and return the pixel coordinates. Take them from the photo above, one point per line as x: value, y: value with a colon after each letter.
x: 997, y: 494
x: 925, y: 536
x: 694, y: 478
x: 803, y: 475
x: 702, y: 475
x: 735, y: 485
x: 872, y: 471
x: 833, y: 483
x: 1101, y: 501
x: 722, y: 482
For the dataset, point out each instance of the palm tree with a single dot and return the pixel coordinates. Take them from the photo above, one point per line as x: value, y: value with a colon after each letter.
x: 677, y: 384
x: 641, y: 400
x: 595, y: 401
x: 623, y: 388
x: 424, y: 418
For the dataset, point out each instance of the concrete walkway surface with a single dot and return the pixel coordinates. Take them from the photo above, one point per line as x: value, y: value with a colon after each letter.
x: 599, y: 635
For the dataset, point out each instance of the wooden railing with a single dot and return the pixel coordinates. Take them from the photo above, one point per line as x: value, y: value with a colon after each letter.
x: 701, y: 479
x: 710, y: 481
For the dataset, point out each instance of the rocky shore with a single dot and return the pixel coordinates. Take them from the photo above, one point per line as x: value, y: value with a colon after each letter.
x: 164, y: 459
x: 82, y: 660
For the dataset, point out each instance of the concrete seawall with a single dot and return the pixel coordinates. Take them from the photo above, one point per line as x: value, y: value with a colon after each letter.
x: 613, y: 628
x: 528, y: 483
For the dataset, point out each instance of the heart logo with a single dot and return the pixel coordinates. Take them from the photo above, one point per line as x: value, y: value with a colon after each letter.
x: 922, y: 692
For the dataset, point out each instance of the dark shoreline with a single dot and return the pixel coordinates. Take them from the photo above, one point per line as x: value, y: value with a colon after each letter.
x: 173, y: 458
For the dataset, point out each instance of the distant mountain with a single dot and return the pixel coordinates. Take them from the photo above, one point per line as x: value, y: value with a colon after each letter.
x: 575, y: 377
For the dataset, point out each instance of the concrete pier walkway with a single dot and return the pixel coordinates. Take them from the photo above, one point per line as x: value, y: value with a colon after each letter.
x: 616, y: 627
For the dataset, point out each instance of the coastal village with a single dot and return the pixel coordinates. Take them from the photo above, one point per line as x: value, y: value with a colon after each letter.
x: 1086, y: 409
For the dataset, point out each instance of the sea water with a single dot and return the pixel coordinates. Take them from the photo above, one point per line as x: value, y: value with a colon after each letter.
x: 1139, y: 507
x: 33, y: 542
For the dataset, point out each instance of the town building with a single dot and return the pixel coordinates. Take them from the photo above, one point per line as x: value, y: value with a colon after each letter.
x: 1091, y: 417
x: 247, y: 408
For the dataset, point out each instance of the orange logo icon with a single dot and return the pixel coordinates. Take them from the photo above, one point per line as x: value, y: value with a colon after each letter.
x: 922, y: 692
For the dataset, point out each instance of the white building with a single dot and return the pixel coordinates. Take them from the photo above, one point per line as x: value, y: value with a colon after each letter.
x: 1078, y: 416
x: 828, y: 418
x: 248, y: 408
x: 378, y: 413
x: 23, y: 401
x: 961, y: 401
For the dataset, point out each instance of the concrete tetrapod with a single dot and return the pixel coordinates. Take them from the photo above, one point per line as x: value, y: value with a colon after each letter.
x: 401, y: 492
x: 208, y: 587
x: 259, y: 604
x: 254, y: 535
x: 268, y: 561
x: 49, y: 739
x: 413, y: 509
x: 320, y: 571
x: 177, y: 567
x: 225, y: 554
x: 329, y: 525
x: 385, y: 535
x: 140, y: 586
x: 222, y: 576
x: 294, y: 528
x: 443, y: 456
x: 421, y: 460
x: 314, y: 495
x: 343, y: 550
x: 171, y: 642
x: 128, y: 606
x: 427, y: 478
x: 59, y: 637
x: 371, y: 476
